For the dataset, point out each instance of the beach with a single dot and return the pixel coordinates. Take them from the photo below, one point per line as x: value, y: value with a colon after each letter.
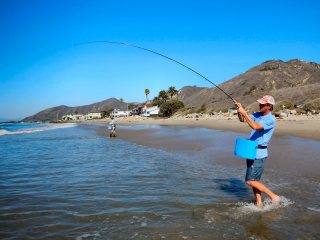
x: 302, y: 129
x: 299, y: 126
x: 299, y: 160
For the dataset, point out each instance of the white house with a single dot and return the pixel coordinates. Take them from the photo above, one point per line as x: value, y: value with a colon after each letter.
x: 151, y: 111
x: 73, y: 117
x: 96, y: 115
x: 120, y: 113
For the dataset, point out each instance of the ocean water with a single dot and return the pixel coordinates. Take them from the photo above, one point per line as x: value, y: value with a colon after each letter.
x: 64, y: 181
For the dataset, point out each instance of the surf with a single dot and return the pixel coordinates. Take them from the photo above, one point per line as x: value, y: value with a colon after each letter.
x: 267, y: 205
x: 240, y: 210
x: 34, y: 129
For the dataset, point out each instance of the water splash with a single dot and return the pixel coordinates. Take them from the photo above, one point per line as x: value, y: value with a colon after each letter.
x: 267, y: 206
x: 225, y: 211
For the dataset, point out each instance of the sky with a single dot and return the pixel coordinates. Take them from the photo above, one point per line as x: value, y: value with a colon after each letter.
x: 43, y: 64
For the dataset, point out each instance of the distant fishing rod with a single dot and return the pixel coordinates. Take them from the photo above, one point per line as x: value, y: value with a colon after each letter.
x: 171, y: 59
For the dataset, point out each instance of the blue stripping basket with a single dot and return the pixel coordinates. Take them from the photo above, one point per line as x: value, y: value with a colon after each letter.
x: 245, y: 148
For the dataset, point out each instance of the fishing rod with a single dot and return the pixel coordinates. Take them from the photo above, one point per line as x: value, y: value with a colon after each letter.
x: 159, y: 54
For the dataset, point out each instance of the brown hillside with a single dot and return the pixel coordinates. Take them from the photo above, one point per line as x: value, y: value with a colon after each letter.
x: 58, y: 112
x: 295, y: 81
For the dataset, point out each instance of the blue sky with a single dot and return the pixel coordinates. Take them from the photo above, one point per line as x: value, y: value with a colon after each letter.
x: 42, y: 66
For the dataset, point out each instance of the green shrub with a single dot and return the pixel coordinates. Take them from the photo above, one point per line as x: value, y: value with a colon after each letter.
x: 168, y: 108
x: 105, y: 114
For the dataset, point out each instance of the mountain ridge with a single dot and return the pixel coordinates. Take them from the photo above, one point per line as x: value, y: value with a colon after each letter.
x: 57, y: 112
x: 295, y: 81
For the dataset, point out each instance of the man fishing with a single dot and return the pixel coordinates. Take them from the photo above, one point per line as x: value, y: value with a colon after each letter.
x: 262, y: 124
x: 112, y: 126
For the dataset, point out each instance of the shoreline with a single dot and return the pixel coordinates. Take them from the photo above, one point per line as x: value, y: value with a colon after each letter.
x: 289, y: 154
x: 302, y: 127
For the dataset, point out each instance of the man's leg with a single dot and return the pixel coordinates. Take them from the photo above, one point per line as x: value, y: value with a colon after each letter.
x: 113, y: 131
x: 262, y: 188
x: 112, y: 134
x: 257, y: 194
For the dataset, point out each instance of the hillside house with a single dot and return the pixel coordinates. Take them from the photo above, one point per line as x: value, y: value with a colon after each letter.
x: 120, y: 113
x: 73, y: 117
x: 136, y: 111
x: 150, y: 111
x: 90, y: 116
x: 81, y: 117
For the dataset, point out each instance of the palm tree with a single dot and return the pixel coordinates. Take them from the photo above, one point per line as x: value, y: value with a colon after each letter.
x: 156, y: 101
x: 122, y: 101
x: 163, y: 96
x: 146, y: 92
x: 172, y: 91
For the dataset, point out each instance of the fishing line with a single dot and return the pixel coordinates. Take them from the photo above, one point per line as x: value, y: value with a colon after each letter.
x: 159, y: 54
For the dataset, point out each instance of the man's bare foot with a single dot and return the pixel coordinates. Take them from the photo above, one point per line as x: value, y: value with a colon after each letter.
x: 275, y: 199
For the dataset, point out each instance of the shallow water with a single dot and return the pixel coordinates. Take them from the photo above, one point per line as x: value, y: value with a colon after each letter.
x: 72, y: 183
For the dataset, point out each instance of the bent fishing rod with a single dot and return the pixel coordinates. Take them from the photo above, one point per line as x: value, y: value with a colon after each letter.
x: 159, y: 54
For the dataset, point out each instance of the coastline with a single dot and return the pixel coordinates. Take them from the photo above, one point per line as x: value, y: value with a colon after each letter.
x: 297, y: 126
x: 187, y: 179
x: 295, y: 147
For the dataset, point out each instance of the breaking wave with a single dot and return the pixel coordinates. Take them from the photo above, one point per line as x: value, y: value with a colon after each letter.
x: 38, y: 128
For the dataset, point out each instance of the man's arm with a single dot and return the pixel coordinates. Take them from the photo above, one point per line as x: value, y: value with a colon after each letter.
x: 254, y: 125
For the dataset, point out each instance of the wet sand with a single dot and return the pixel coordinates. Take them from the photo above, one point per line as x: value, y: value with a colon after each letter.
x: 288, y: 151
x: 303, y: 127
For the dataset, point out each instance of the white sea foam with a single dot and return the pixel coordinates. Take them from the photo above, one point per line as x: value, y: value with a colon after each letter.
x: 243, y: 209
x: 267, y: 206
x: 314, y: 209
x: 4, y: 132
x: 41, y: 128
x: 88, y: 236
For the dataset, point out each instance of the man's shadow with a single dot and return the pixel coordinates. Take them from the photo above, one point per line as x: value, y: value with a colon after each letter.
x: 234, y: 186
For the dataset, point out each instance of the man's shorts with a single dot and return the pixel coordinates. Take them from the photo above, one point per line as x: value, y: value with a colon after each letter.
x: 255, y: 169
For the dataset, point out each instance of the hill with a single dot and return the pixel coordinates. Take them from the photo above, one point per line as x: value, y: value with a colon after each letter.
x: 295, y: 81
x: 59, y: 111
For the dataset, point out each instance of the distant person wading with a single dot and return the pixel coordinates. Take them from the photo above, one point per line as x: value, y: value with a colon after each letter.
x: 262, y: 124
x: 112, y: 127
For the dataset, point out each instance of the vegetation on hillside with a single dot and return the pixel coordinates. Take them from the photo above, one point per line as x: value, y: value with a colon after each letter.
x: 168, y: 106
